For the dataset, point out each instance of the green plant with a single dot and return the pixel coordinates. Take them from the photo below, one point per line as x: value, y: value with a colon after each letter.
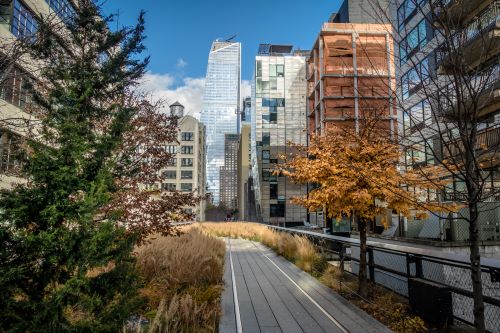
x: 64, y: 267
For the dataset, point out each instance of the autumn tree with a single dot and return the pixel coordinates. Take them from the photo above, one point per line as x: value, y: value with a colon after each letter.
x: 357, y: 174
x: 92, y: 172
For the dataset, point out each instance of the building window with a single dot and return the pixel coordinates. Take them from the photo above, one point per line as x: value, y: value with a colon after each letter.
x: 420, y: 154
x: 185, y: 174
x: 24, y: 23
x: 265, y: 156
x: 172, y: 162
x: 171, y: 149
x: 266, y: 174
x: 11, y: 152
x: 416, y: 115
x: 413, y: 80
x: 266, y: 139
x: 186, y: 187
x: 413, y: 42
x: 258, y: 68
x: 169, y: 187
x: 187, y: 149
x: 187, y: 136
x: 63, y: 8
x: 407, y: 10
x: 273, y: 191
x: 277, y: 210
x: 170, y: 174
x: 186, y: 162
x: 15, y: 88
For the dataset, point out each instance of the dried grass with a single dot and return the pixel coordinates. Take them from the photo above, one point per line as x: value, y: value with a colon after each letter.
x: 183, y: 282
x: 295, y: 248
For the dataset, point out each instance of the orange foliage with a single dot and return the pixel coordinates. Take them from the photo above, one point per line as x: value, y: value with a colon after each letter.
x: 362, y: 173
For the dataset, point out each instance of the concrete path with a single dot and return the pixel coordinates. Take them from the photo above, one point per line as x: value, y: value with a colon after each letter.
x: 266, y: 293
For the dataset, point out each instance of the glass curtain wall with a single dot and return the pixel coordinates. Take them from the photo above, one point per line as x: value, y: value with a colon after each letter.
x: 220, y: 104
x: 278, y: 105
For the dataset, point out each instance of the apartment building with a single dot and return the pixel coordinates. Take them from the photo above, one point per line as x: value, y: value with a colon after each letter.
x: 186, y: 171
x: 279, y: 107
x: 19, y: 19
x: 350, y: 77
x: 424, y: 82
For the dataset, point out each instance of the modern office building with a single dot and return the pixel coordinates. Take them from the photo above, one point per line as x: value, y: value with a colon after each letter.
x: 221, y: 102
x: 229, y: 172
x: 19, y: 19
x: 279, y: 116
x: 186, y: 171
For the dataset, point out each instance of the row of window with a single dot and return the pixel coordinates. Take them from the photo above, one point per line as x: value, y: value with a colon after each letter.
x: 407, y: 10
x: 11, y: 153
x: 172, y: 149
x: 63, y: 8
x: 172, y: 174
x: 185, y: 162
x: 14, y: 88
x: 419, y: 113
x: 275, y: 70
x: 187, y: 136
x: 23, y: 22
x: 413, y: 80
x: 185, y: 187
x: 414, y: 41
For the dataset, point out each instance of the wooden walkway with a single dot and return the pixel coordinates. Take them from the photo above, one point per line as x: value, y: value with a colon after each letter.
x: 266, y: 293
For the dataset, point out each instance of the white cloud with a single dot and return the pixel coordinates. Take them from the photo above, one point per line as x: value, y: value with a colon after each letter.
x: 181, y: 63
x: 189, y: 93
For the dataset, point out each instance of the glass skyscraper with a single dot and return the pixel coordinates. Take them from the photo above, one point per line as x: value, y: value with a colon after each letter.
x: 220, y: 106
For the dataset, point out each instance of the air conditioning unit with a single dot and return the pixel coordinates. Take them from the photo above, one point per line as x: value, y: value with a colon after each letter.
x: 431, y: 301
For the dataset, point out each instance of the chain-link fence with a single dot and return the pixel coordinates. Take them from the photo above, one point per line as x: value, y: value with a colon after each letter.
x: 393, y: 265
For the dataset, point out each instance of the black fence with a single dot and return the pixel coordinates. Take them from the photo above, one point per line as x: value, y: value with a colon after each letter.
x: 395, y: 266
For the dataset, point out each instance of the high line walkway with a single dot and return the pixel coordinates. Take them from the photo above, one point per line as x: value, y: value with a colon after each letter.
x: 265, y: 293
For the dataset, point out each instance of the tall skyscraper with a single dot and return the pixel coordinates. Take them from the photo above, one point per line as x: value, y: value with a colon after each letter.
x: 220, y: 106
x: 279, y: 116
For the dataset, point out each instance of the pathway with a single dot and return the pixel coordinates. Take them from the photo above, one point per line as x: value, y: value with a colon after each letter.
x: 266, y: 293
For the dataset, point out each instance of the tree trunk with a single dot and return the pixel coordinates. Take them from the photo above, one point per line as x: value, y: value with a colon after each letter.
x: 362, y: 277
x: 475, y: 268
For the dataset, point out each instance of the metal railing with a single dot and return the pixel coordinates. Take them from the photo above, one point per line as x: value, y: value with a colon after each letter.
x: 392, y: 265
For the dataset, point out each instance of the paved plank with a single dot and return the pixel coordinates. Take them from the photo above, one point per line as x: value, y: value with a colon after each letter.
x: 285, y: 319
x: 299, y: 312
x: 275, y: 296
x: 265, y: 316
x: 350, y: 316
x: 248, y: 318
x: 227, y: 323
x: 322, y: 321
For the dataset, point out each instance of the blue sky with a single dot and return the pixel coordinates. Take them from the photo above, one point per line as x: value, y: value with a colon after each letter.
x: 180, y: 33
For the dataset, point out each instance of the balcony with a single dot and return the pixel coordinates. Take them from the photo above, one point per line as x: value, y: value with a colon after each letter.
x: 476, y: 43
x: 458, y: 12
x: 485, y: 87
x: 487, y: 144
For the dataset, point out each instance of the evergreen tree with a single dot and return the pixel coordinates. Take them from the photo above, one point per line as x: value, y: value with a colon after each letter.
x: 63, y: 267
